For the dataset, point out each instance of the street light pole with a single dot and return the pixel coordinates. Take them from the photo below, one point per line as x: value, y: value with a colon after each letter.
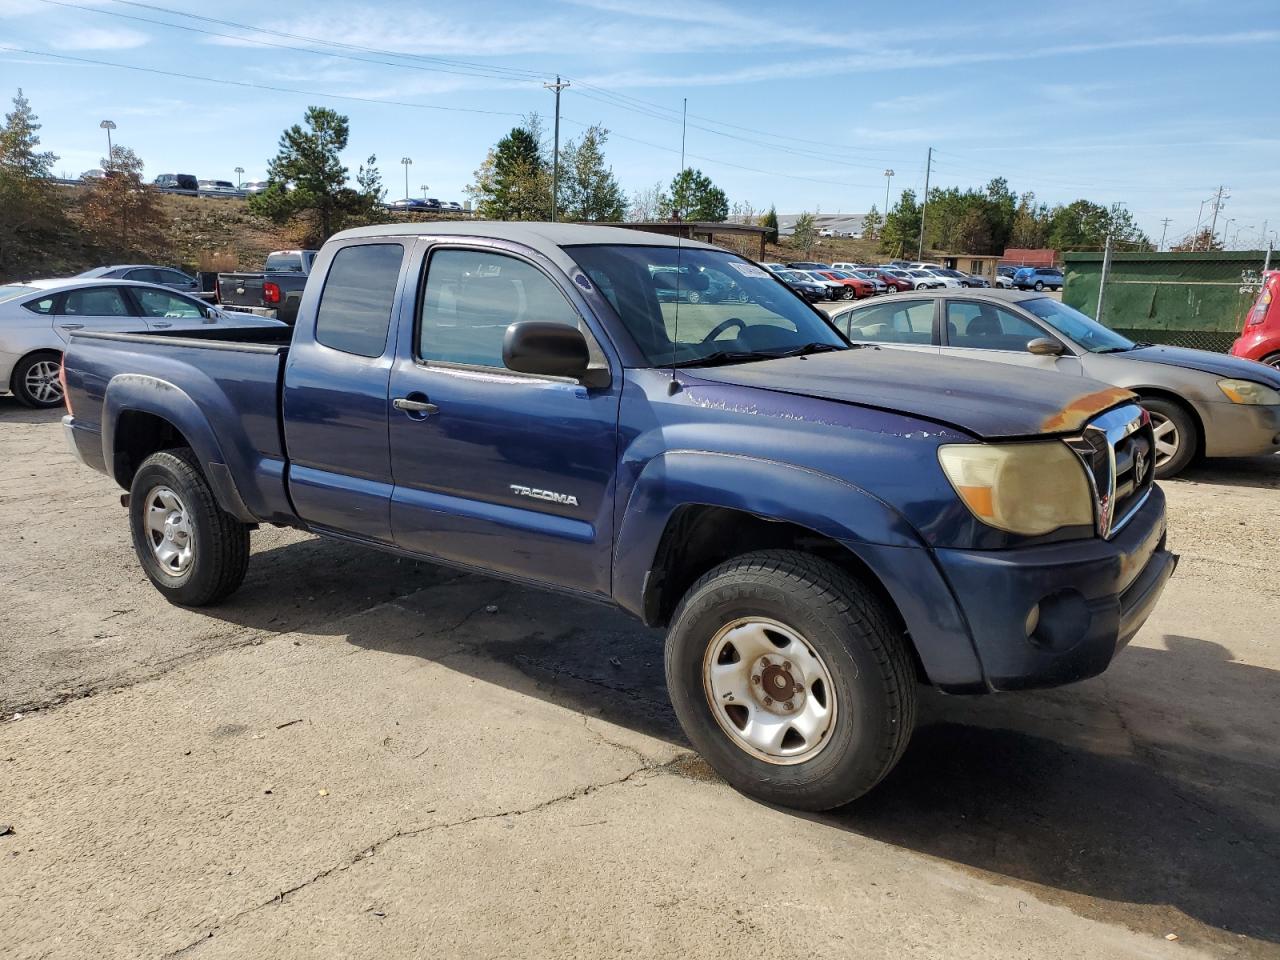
x: 555, y: 156
x: 239, y: 177
x: 108, y: 125
x: 888, y: 178
x: 928, y: 169
x: 408, y: 162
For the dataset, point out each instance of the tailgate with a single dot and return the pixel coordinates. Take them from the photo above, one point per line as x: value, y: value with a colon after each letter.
x: 241, y: 289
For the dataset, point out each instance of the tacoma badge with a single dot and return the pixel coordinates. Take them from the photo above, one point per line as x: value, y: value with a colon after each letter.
x: 550, y: 495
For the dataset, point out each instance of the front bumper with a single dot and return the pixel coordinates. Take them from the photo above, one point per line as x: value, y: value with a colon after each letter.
x: 1240, y: 429
x: 1090, y: 598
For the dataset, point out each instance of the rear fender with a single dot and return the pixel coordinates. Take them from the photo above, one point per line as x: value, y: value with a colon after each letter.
x: 143, y: 394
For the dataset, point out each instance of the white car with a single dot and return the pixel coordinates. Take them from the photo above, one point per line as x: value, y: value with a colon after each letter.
x: 927, y: 279
x: 843, y: 265
x: 38, y: 316
x: 218, y: 188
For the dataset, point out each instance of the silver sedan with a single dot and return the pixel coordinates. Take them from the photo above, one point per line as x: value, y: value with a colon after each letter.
x: 1201, y: 403
x: 37, y: 317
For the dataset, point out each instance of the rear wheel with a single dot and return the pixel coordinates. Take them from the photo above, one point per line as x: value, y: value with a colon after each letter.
x: 1273, y: 360
x: 1177, y: 438
x: 193, y: 551
x: 35, y: 380
x: 1039, y: 285
x: 789, y: 678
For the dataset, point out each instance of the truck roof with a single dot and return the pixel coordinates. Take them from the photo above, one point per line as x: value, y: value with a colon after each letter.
x: 546, y: 238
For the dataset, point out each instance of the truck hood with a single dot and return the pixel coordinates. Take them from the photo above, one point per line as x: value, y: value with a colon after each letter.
x: 1217, y: 364
x: 988, y: 400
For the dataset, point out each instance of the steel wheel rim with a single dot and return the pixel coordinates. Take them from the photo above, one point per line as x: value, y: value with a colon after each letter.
x: 42, y: 381
x: 1167, y: 439
x: 1275, y: 361
x: 169, y: 532
x: 748, y: 665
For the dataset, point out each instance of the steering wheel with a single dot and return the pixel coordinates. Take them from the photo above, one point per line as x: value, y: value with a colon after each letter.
x: 722, y: 326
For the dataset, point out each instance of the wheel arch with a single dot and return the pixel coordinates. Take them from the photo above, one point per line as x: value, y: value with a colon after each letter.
x: 691, y: 512
x: 142, y: 415
x: 1170, y: 396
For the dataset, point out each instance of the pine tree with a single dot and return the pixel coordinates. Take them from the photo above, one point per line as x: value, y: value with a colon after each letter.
x: 32, y: 211
x: 514, y: 182
x: 770, y: 222
x: 694, y: 197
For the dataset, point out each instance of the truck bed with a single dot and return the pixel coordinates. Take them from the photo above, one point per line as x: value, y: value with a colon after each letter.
x: 218, y: 387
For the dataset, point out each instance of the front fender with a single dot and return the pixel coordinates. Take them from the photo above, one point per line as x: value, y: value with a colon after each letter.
x: 132, y: 392
x: 765, y: 488
x: 877, y: 534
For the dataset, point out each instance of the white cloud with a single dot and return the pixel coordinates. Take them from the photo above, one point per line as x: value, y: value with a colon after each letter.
x: 100, y: 38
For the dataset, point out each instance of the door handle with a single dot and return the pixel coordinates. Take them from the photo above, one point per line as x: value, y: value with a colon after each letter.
x: 162, y: 324
x: 414, y: 406
x: 73, y: 326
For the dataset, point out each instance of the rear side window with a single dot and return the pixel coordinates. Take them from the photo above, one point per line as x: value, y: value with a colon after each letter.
x: 359, y: 292
x: 94, y: 302
x: 904, y: 321
x: 44, y: 306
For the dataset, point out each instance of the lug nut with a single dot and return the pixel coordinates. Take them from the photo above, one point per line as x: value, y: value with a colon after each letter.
x: 786, y: 665
x: 755, y: 678
x: 789, y: 705
x: 768, y: 701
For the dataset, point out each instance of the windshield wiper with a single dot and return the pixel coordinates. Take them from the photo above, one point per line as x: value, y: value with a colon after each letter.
x: 719, y: 357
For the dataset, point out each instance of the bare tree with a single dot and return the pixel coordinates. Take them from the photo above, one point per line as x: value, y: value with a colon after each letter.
x: 646, y: 204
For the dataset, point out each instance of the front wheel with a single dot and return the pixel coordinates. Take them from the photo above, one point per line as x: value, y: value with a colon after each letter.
x: 1038, y: 286
x: 789, y: 678
x: 1176, y: 436
x: 848, y: 294
x: 193, y: 551
x: 1273, y: 360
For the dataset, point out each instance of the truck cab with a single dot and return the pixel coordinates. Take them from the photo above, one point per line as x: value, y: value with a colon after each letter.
x: 819, y: 526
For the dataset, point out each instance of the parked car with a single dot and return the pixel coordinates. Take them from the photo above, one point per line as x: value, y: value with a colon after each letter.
x: 835, y: 289
x: 893, y: 278
x: 184, y: 183
x: 1038, y: 278
x: 775, y: 267
x: 145, y: 273
x: 928, y: 280
x: 1200, y: 403
x: 804, y: 285
x: 808, y: 265
x: 37, y: 317
x: 1004, y: 277
x: 254, y: 186
x: 854, y: 287
x: 690, y: 285
x: 451, y: 206
x: 846, y: 266
x: 277, y: 290
x: 218, y: 188
x: 819, y: 528
x: 1260, y: 339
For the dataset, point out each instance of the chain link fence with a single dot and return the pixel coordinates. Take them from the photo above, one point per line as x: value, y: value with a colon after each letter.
x: 1183, y: 299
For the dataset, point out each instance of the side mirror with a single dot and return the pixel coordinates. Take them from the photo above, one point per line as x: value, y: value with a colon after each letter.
x: 546, y: 349
x: 1044, y: 347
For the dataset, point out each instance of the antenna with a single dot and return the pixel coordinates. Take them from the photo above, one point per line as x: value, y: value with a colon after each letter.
x: 675, y: 328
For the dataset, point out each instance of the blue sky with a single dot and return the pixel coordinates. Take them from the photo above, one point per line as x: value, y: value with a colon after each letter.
x: 1153, y: 104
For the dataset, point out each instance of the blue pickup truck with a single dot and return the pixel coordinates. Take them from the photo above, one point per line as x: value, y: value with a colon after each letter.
x: 820, y: 526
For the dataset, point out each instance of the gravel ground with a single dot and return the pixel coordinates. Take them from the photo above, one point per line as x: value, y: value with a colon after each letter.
x: 359, y: 755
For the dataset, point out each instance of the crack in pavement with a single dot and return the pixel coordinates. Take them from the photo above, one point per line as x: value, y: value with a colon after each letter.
x: 367, y: 851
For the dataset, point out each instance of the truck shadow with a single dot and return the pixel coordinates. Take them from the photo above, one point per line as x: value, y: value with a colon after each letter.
x: 1144, y: 797
x: 1261, y: 472
x: 11, y: 411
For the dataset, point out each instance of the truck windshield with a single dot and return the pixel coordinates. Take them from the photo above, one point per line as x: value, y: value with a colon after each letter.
x: 1076, y: 326
x: 683, y: 305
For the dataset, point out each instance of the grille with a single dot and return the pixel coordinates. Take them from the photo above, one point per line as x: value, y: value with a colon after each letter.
x: 1118, y: 451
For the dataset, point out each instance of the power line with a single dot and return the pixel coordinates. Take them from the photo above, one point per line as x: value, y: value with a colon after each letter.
x: 255, y: 86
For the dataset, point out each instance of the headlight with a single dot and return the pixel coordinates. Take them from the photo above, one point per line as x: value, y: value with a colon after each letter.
x: 1027, y: 488
x: 1246, y: 391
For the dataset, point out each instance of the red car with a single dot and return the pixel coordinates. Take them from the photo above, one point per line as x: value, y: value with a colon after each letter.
x: 896, y: 280
x: 857, y: 288
x: 1260, y: 339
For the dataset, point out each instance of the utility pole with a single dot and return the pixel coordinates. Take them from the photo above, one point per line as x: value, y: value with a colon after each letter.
x: 888, y: 178
x: 555, y: 156
x: 1102, y: 281
x: 108, y: 125
x: 407, y: 162
x: 928, y: 169
x: 1217, y: 205
x: 1163, y: 233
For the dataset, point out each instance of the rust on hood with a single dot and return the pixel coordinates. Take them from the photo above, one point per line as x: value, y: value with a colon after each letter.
x: 1084, y: 407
